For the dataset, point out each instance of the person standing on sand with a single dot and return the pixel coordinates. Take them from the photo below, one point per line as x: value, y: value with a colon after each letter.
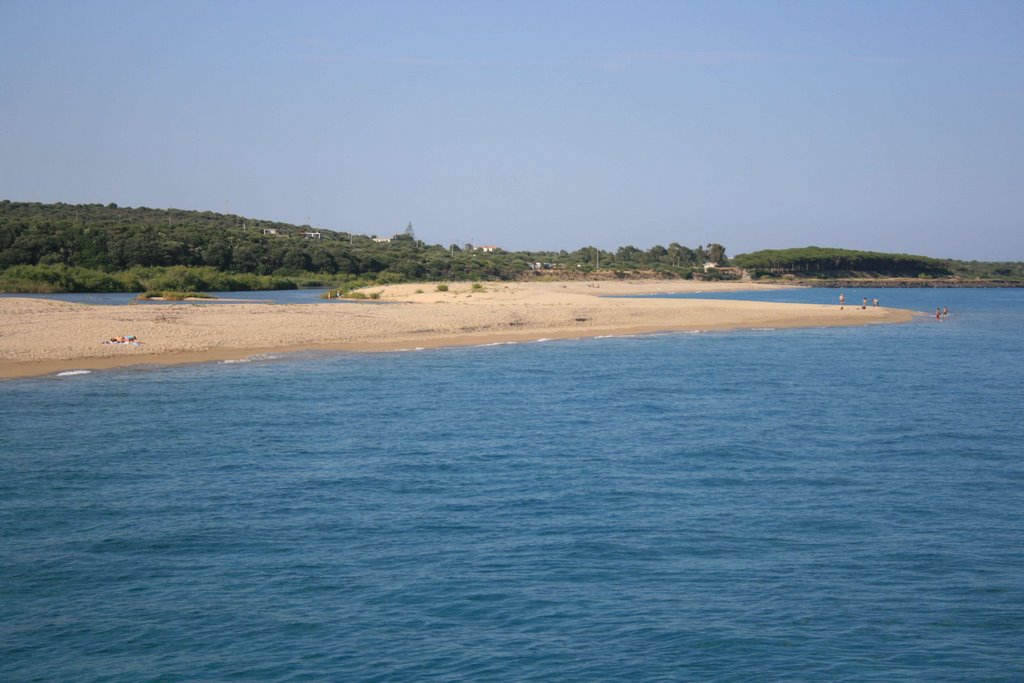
x: 874, y: 302
x: 864, y: 305
x: 842, y: 300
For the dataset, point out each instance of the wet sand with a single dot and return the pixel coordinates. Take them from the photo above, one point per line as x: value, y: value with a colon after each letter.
x: 41, y: 337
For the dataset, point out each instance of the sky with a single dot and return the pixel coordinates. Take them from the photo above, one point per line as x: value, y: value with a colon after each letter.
x: 887, y: 126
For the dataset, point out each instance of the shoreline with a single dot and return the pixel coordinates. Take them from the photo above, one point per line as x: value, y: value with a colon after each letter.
x: 45, y: 337
x: 906, y: 283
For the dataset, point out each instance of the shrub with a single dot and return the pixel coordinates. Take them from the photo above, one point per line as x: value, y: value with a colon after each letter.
x: 720, y: 275
x: 60, y: 278
x: 442, y: 288
x: 174, y: 296
x: 389, y: 277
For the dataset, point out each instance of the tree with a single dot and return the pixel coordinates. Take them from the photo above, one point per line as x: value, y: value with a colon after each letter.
x: 627, y: 254
x: 295, y: 259
x: 409, y: 268
x: 680, y: 255
x: 656, y: 254
x: 716, y: 253
x: 323, y: 262
x: 245, y: 257
x: 217, y: 254
x: 143, y: 248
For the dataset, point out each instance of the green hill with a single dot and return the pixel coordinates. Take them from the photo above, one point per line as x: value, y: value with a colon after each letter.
x: 830, y: 263
x: 96, y: 247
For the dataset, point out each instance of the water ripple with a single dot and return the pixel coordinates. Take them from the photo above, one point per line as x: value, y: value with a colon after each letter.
x: 784, y: 505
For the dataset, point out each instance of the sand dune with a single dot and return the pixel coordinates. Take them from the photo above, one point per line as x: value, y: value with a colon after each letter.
x: 39, y: 337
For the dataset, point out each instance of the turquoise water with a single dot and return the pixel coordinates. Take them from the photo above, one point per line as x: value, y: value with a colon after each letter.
x: 830, y: 504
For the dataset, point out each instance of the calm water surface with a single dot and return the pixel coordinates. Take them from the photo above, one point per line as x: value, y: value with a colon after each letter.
x: 831, y: 504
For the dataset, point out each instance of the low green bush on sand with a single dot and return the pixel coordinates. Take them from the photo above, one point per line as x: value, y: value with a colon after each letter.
x: 174, y: 296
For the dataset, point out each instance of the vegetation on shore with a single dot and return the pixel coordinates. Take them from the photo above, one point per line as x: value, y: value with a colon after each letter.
x: 818, y: 263
x: 47, y: 279
x: 47, y: 248
x: 95, y: 247
x: 174, y: 296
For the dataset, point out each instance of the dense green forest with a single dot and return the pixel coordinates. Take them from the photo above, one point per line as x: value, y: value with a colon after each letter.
x: 96, y: 247
x: 832, y: 262
x: 825, y: 263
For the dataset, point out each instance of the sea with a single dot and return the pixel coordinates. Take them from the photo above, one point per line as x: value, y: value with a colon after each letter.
x: 833, y: 504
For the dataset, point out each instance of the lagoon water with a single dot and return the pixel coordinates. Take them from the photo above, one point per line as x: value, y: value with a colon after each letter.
x: 828, y: 504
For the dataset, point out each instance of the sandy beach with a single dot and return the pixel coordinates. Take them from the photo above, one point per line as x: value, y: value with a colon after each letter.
x: 40, y: 337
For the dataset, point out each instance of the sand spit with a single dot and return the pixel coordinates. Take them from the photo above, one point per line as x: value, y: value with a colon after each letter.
x: 41, y: 337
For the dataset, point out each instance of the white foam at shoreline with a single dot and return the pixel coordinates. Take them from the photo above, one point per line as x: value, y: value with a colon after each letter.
x: 69, y: 373
x: 250, y: 359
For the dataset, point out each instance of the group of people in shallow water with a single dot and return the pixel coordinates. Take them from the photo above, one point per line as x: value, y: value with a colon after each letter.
x: 940, y: 312
x: 864, y: 304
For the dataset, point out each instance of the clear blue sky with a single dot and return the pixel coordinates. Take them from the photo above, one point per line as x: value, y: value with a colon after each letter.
x: 892, y: 126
